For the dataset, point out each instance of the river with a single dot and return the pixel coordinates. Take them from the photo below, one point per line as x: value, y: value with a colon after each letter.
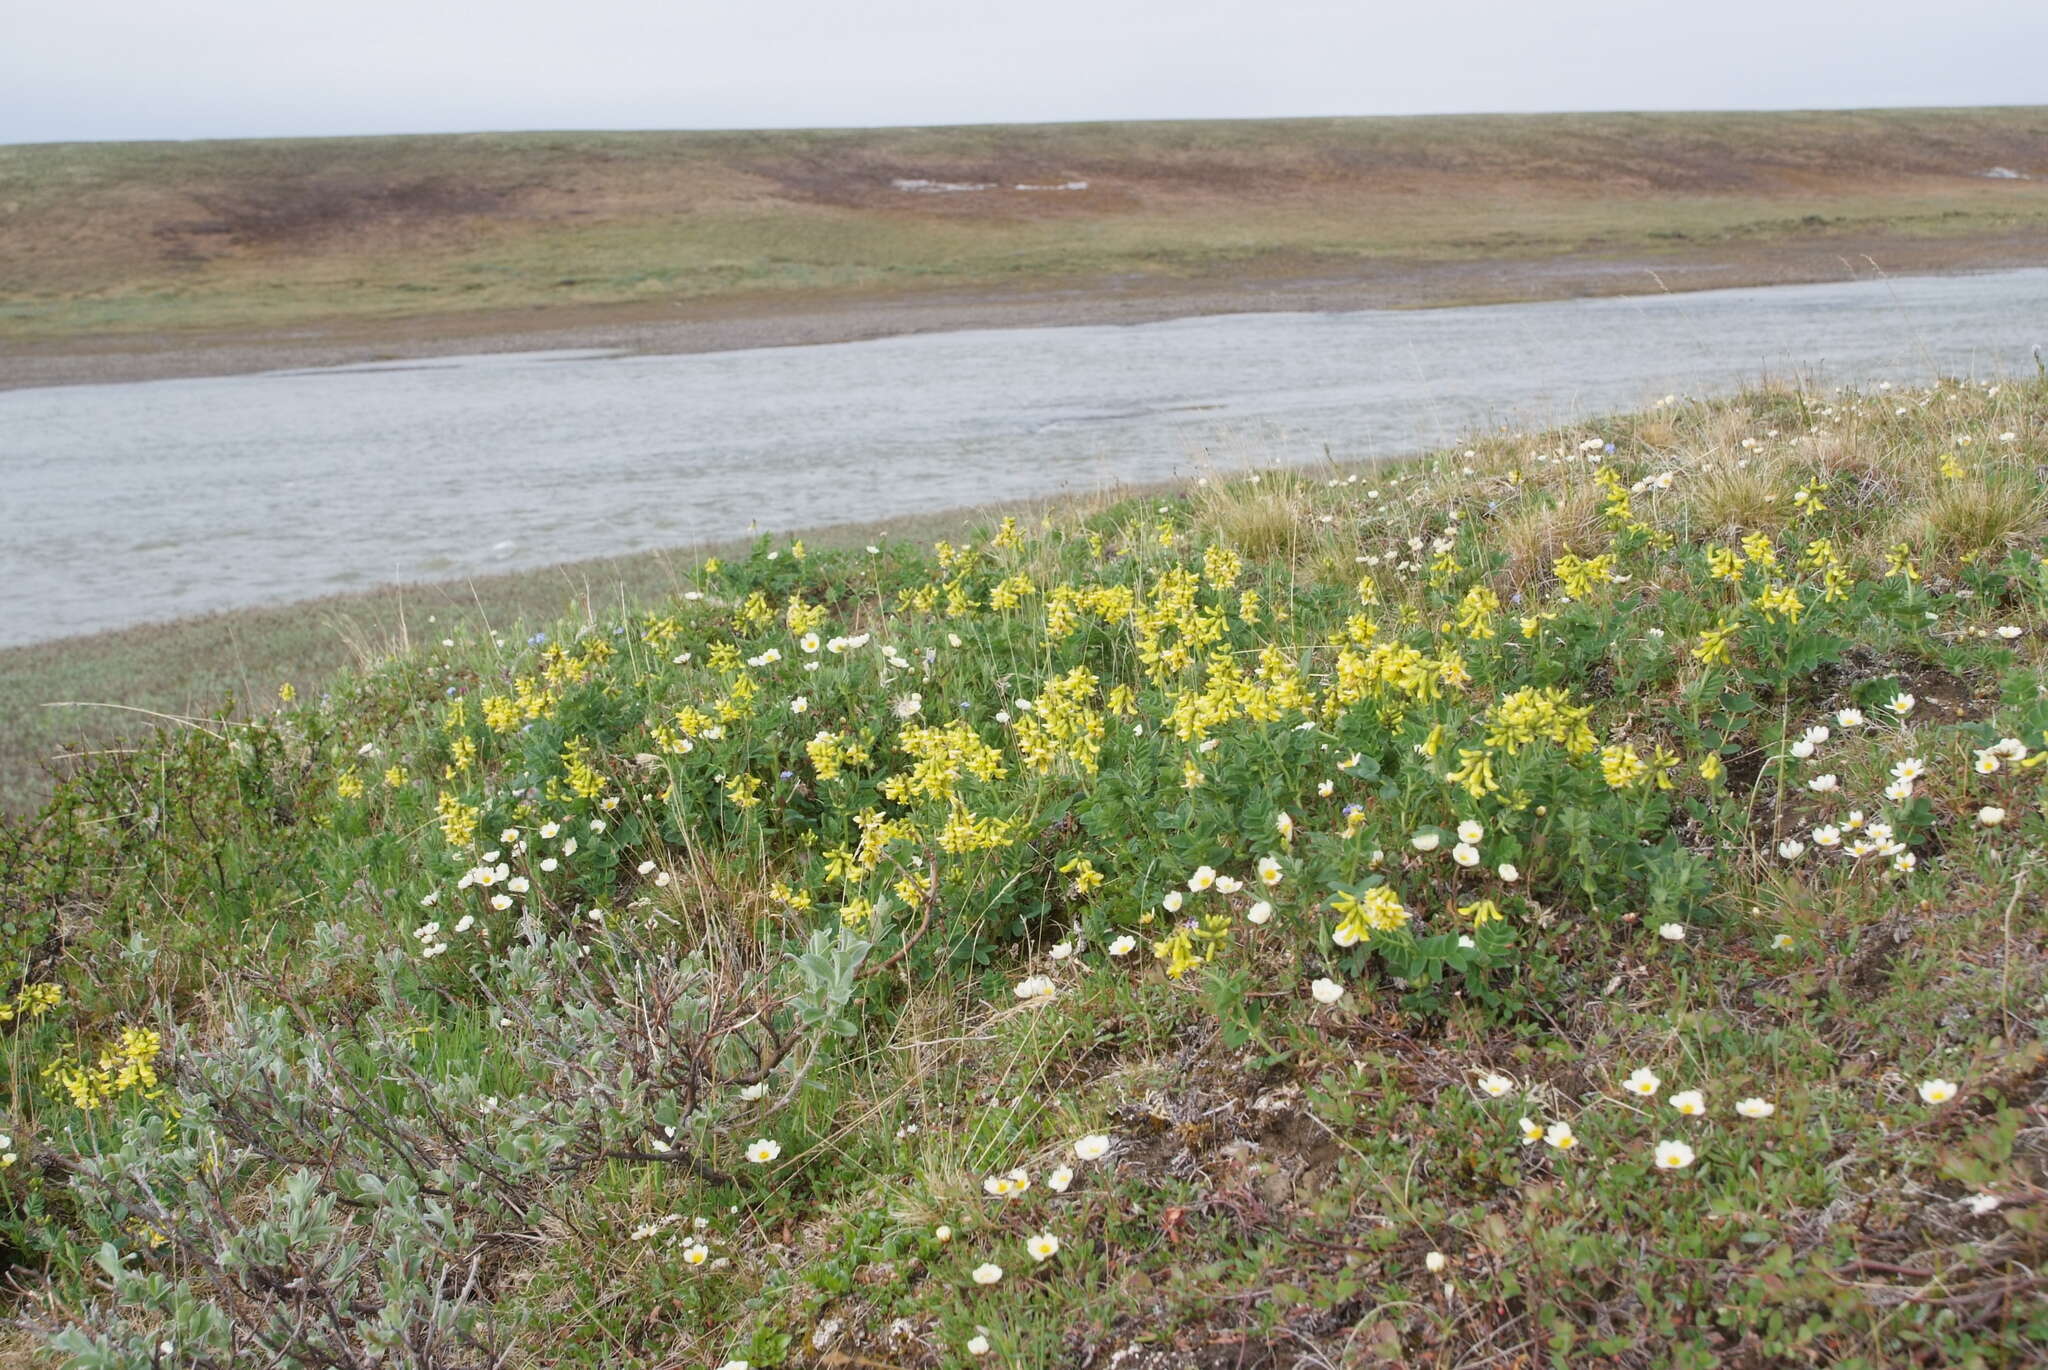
x: 139, y: 502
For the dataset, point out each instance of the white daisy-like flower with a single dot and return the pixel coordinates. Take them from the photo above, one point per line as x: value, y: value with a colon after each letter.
x: 1642, y: 1081
x: 1493, y: 1084
x: 1326, y: 991
x: 988, y: 1272
x: 1755, y: 1108
x: 764, y: 1150
x: 1673, y: 1155
x: 1689, y: 1102
x: 1123, y: 946
x: 1937, y: 1091
x: 1092, y: 1147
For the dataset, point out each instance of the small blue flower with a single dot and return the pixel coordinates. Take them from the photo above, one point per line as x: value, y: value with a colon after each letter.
x: 788, y: 774
x: 536, y: 639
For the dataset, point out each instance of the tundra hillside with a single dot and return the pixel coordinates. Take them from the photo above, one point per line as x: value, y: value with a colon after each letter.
x: 1575, y: 900
x: 125, y: 255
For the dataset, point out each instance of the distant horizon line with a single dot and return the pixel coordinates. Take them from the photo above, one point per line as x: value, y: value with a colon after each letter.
x: 736, y: 129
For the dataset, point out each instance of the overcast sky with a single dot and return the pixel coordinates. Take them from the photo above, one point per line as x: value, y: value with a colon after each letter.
x: 91, y: 69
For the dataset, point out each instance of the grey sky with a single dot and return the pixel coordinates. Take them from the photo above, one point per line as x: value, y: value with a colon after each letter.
x: 90, y: 69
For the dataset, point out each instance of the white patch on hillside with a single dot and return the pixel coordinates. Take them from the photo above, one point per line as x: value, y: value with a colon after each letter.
x: 940, y: 187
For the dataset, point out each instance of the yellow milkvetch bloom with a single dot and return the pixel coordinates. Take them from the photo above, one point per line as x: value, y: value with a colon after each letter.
x: 1780, y: 598
x: 1579, y: 576
x: 32, y: 1001
x: 1062, y: 725
x: 1178, y: 950
x: 1087, y: 879
x: 458, y: 820
x: 1379, y: 910
x: 1476, y: 611
x: 1481, y: 912
x: 1898, y: 562
x: 1534, y: 713
x: 128, y: 1064
x: 1711, y: 769
x: 1724, y: 563
x: 1712, y: 647
x: 1759, y: 549
x: 1475, y: 772
x: 1620, y: 767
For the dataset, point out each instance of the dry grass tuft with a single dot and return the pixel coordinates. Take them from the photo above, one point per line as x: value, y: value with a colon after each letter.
x: 1978, y: 517
x: 1535, y: 535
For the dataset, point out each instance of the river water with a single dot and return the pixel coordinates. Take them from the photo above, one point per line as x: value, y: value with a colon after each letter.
x: 122, y: 504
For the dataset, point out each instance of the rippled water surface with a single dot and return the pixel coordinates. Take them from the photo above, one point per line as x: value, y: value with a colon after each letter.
x: 128, y: 503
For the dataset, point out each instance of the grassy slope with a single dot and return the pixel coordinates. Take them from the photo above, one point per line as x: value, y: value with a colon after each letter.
x: 1279, y: 1170
x: 142, y: 237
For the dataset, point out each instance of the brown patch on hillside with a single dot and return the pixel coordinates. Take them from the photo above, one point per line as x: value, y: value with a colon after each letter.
x: 300, y: 214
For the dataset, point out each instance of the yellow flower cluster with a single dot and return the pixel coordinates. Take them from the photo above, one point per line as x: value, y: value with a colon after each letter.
x: 129, y: 1064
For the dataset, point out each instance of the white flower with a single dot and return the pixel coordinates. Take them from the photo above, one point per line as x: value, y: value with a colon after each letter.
x: 1782, y: 942
x: 1425, y: 841
x: 1937, y: 1091
x: 1791, y: 849
x: 1912, y: 768
x: 1259, y: 912
x: 1494, y: 1084
x: 1671, y: 932
x: 1123, y: 946
x: 1560, y: 1136
x: 1532, y: 1131
x: 1469, y: 831
x: 1801, y: 750
x: 763, y: 1151
x: 1642, y: 1081
x: 1827, y: 835
x: 1991, y: 815
x: 1901, y: 703
x: 1690, y: 1102
x: 988, y: 1272
x: 977, y: 1345
x: 907, y: 706
x: 1092, y: 1147
x: 2008, y: 632
x: 1269, y: 871
x: 1058, y: 1181
x: 1673, y: 1155
x: 1326, y: 991
x: 1816, y: 734
x: 1228, y: 884
x: 1824, y: 784
x: 1850, y: 718
x: 1465, y: 855
x: 1034, y: 988
x: 1434, y: 1262
x: 757, y: 1090
x: 1755, y: 1108
x: 1173, y: 900
x: 1980, y: 1204
x: 1202, y: 879
x: 1043, y: 1247
x: 1061, y: 951
x: 1508, y: 872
